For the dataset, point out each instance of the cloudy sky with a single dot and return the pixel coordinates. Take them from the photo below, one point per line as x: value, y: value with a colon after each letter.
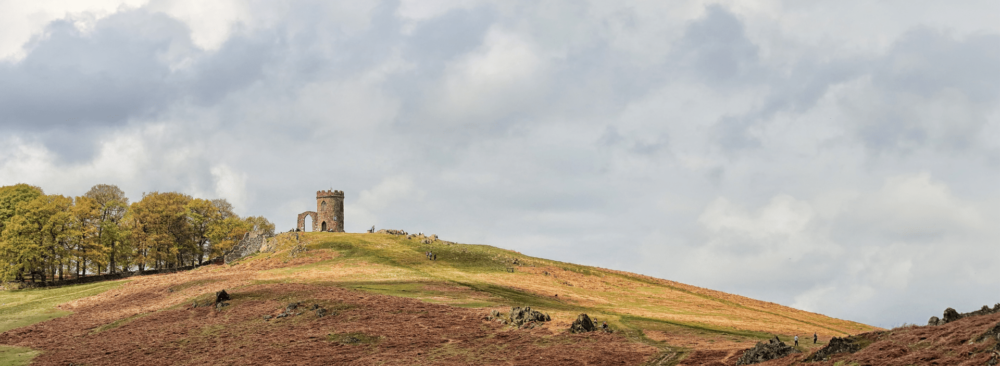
x: 840, y: 157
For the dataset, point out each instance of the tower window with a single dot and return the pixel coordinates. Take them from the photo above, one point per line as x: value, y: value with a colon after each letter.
x: 322, y: 205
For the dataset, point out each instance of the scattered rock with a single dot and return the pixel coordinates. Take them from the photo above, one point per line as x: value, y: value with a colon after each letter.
x: 291, y: 306
x: 935, y: 321
x: 495, y: 316
x: 221, y: 296
x: 951, y: 315
x: 314, y: 307
x: 321, y: 312
x: 836, y: 346
x: 520, y: 317
x: 582, y: 324
x: 773, y: 349
x: 220, y: 305
x: 267, y: 317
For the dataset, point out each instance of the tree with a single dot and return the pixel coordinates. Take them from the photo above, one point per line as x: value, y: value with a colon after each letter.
x: 113, y: 205
x: 11, y: 196
x: 86, y: 230
x: 201, y: 215
x: 260, y: 225
x: 224, y: 207
x: 34, y: 239
x: 224, y: 234
x: 162, y: 220
x: 16, y: 252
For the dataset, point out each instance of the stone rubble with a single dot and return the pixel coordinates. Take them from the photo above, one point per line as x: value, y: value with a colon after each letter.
x: 951, y: 315
x: 836, y: 346
x: 521, y: 317
x: 762, y: 352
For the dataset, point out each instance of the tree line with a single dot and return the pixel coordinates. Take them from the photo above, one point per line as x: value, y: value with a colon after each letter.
x: 55, y: 237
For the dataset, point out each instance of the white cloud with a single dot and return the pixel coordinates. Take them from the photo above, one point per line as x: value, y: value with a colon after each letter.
x: 211, y: 22
x: 913, y: 207
x: 231, y: 185
x: 378, y: 202
x: 505, y: 75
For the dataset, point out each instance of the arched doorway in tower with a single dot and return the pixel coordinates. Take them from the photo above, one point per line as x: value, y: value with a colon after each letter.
x: 324, y: 226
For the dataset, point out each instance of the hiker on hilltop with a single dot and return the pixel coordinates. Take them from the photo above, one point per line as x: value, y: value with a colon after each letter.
x: 815, y: 338
x: 796, y: 341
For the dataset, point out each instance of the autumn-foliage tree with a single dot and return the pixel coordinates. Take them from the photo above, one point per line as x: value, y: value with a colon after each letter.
x: 45, y: 237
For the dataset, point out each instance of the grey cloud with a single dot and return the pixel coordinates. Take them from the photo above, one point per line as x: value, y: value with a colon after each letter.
x: 71, y: 78
x: 733, y: 134
x: 716, y: 48
x: 927, y: 61
x: 121, y: 70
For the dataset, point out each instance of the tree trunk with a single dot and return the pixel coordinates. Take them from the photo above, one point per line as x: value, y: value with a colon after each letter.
x: 111, y: 268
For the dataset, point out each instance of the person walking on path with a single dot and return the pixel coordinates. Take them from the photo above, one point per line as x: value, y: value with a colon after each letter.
x: 796, y: 341
x: 815, y: 338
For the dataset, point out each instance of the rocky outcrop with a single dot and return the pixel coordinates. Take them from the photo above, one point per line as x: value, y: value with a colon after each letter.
x: 391, y: 232
x: 836, y: 346
x: 992, y: 333
x: 222, y: 296
x: 951, y: 315
x: 582, y: 324
x: 520, y: 317
x: 250, y: 244
x: 762, y: 352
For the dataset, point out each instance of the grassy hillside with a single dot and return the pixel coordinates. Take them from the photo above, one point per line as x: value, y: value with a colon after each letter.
x: 477, y: 276
x: 159, y: 317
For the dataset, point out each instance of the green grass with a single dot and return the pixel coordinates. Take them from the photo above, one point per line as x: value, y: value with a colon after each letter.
x: 665, y: 325
x: 20, y: 308
x: 16, y: 356
x: 409, y: 254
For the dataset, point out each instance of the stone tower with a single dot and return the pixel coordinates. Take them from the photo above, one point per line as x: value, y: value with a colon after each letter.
x: 329, y: 211
x: 329, y: 214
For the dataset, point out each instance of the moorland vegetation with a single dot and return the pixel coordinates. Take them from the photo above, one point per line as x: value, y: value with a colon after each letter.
x: 386, y: 302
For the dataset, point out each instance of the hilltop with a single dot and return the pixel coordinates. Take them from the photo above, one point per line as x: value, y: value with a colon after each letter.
x: 384, y: 301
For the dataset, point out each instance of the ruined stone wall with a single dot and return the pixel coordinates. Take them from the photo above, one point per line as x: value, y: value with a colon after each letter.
x: 329, y: 211
x: 250, y: 244
x: 301, y: 226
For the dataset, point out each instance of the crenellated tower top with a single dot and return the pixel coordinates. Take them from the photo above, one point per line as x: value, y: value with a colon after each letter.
x: 322, y: 194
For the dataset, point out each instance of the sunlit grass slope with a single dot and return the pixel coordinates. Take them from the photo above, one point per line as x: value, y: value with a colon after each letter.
x: 479, y: 276
x: 21, y: 308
